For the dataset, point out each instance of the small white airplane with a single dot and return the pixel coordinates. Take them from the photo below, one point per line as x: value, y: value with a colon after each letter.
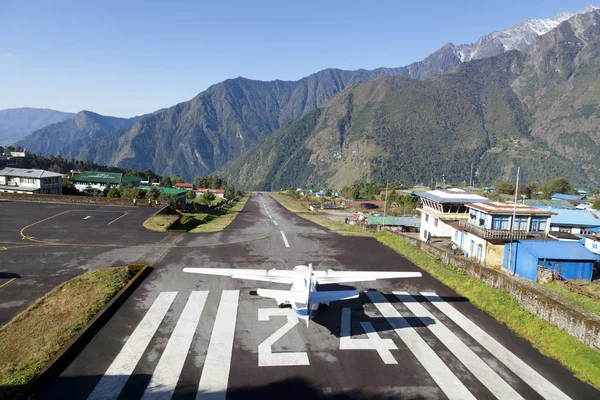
x: 303, y: 295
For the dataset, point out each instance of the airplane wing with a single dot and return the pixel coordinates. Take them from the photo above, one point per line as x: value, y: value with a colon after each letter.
x: 265, y: 275
x: 333, y: 295
x: 289, y: 295
x: 331, y: 276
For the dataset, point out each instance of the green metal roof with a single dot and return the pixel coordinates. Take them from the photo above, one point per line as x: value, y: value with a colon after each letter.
x: 394, y: 221
x: 169, y: 191
x: 547, y: 203
x: 105, y: 177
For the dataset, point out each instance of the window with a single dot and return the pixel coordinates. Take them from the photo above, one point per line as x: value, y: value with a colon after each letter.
x: 435, y: 222
x: 426, y: 217
x: 520, y: 223
x: 501, y: 223
x: 538, y: 224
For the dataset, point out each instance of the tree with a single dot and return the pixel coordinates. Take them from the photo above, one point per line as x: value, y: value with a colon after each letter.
x: 208, y: 196
x: 177, y: 179
x: 328, y: 193
x: 165, y: 181
x: 596, y: 205
x: 504, y: 187
x: 113, y: 193
x: 190, y: 195
x: 153, y: 193
x: 355, y: 193
x: 556, y: 185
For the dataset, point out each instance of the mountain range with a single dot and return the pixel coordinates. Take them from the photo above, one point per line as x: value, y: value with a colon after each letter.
x: 16, y: 123
x: 498, y: 102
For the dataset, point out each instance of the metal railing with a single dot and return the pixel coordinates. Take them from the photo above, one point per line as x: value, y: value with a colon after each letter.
x: 498, y: 234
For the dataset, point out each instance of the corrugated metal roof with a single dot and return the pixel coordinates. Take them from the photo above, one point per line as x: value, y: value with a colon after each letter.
x: 28, y: 173
x: 453, y: 196
x: 105, y: 177
x: 575, y: 218
x: 562, y: 196
x: 508, y: 207
x: 394, y: 221
x: 558, y: 203
x: 557, y: 250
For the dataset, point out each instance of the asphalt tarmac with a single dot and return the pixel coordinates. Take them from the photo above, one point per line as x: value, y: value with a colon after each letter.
x: 192, y: 336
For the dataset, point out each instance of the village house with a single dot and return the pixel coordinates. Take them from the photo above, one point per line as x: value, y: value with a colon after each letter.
x: 490, y: 225
x: 31, y: 181
x: 184, y: 186
x: 219, y: 193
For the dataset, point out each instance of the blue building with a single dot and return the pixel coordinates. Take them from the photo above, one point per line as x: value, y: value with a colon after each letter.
x: 568, y: 197
x: 570, y: 259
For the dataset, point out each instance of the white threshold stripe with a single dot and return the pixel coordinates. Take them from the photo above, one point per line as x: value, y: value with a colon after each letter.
x: 490, y: 379
x: 285, y: 241
x: 116, y: 376
x: 452, y: 387
x: 166, y: 374
x: 215, y: 373
x: 540, y: 384
x: 89, y: 216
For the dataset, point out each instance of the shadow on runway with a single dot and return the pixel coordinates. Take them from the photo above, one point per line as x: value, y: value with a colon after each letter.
x: 330, y: 317
x: 9, y: 275
x: 80, y: 387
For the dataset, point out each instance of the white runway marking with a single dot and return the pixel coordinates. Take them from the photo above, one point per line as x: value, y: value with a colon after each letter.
x: 374, y: 342
x: 515, y: 364
x: 266, y: 357
x: 476, y: 365
x: 165, y: 376
x: 275, y: 222
x: 215, y: 373
x: 285, y: 241
x: 89, y: 216
x: 441, y: 374
x: 123, y: 365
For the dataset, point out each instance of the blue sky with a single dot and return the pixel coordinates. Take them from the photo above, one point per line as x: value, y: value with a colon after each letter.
x: 125, y: 58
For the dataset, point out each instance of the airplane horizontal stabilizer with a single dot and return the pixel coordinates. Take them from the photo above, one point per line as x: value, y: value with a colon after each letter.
x: 333, y: 295
x: 292, y: 296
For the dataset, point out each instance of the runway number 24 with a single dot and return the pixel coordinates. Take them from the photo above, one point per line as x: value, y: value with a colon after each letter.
x: 266, y: 357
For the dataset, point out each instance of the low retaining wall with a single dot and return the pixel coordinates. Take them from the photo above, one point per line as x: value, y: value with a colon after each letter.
x: 53, y: 198
x: 576, y: 324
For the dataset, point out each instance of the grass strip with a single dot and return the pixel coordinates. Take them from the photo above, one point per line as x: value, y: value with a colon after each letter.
x: 583, y: 361
x: 226, y: 215
x: 33, y: 338
x: 160, y: 222
x: 302, y: 210
x: 588, y: 304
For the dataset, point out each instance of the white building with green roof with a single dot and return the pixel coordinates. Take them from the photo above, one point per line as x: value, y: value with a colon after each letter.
x: 88, y: 180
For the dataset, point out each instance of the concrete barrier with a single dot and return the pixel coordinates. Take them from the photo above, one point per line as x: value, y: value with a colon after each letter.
x: 581, y: 326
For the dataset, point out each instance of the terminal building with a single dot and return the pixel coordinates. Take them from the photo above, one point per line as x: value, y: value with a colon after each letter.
x: 32, y: 181
x: 89, y: 180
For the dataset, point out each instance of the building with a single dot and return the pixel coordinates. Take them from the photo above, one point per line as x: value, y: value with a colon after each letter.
x: 219, y: 193
x: 567, y: 197
x: 592, y: 243
x: 575, y: 221
x: 32, y: 181
x: 542, y: 203
x: 529, y: 258
x: 179, y: 193
x: 184, y: 186
x: 441, y: 207
x: 490, y: 225
x: 88, y: 180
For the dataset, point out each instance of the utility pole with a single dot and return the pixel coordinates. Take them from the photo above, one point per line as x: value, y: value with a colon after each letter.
x: 512, y: 225
x: 385, y: 203
x: 471, y: 177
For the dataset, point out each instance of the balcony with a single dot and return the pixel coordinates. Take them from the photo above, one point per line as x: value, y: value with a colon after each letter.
x: 499, y: 234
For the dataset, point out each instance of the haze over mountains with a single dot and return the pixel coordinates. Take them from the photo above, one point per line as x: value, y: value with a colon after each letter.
x: 521, y: 100
x: 19, y: 122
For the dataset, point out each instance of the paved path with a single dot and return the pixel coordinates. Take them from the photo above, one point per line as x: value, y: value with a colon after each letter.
x: 206, y: 337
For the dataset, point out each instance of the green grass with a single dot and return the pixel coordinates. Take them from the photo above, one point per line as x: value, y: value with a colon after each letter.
x: 33, y: 338
x: 300, y: 208
x: 160, y: 222
x: 221, y: 219
x: 583, y: 361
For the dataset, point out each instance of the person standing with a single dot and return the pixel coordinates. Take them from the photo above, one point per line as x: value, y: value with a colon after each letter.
x: 428, y: 241
x: 134, y: 201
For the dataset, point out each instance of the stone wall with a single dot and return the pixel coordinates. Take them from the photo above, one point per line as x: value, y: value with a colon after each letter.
x: 578, y: 325
x: 51, y: 198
